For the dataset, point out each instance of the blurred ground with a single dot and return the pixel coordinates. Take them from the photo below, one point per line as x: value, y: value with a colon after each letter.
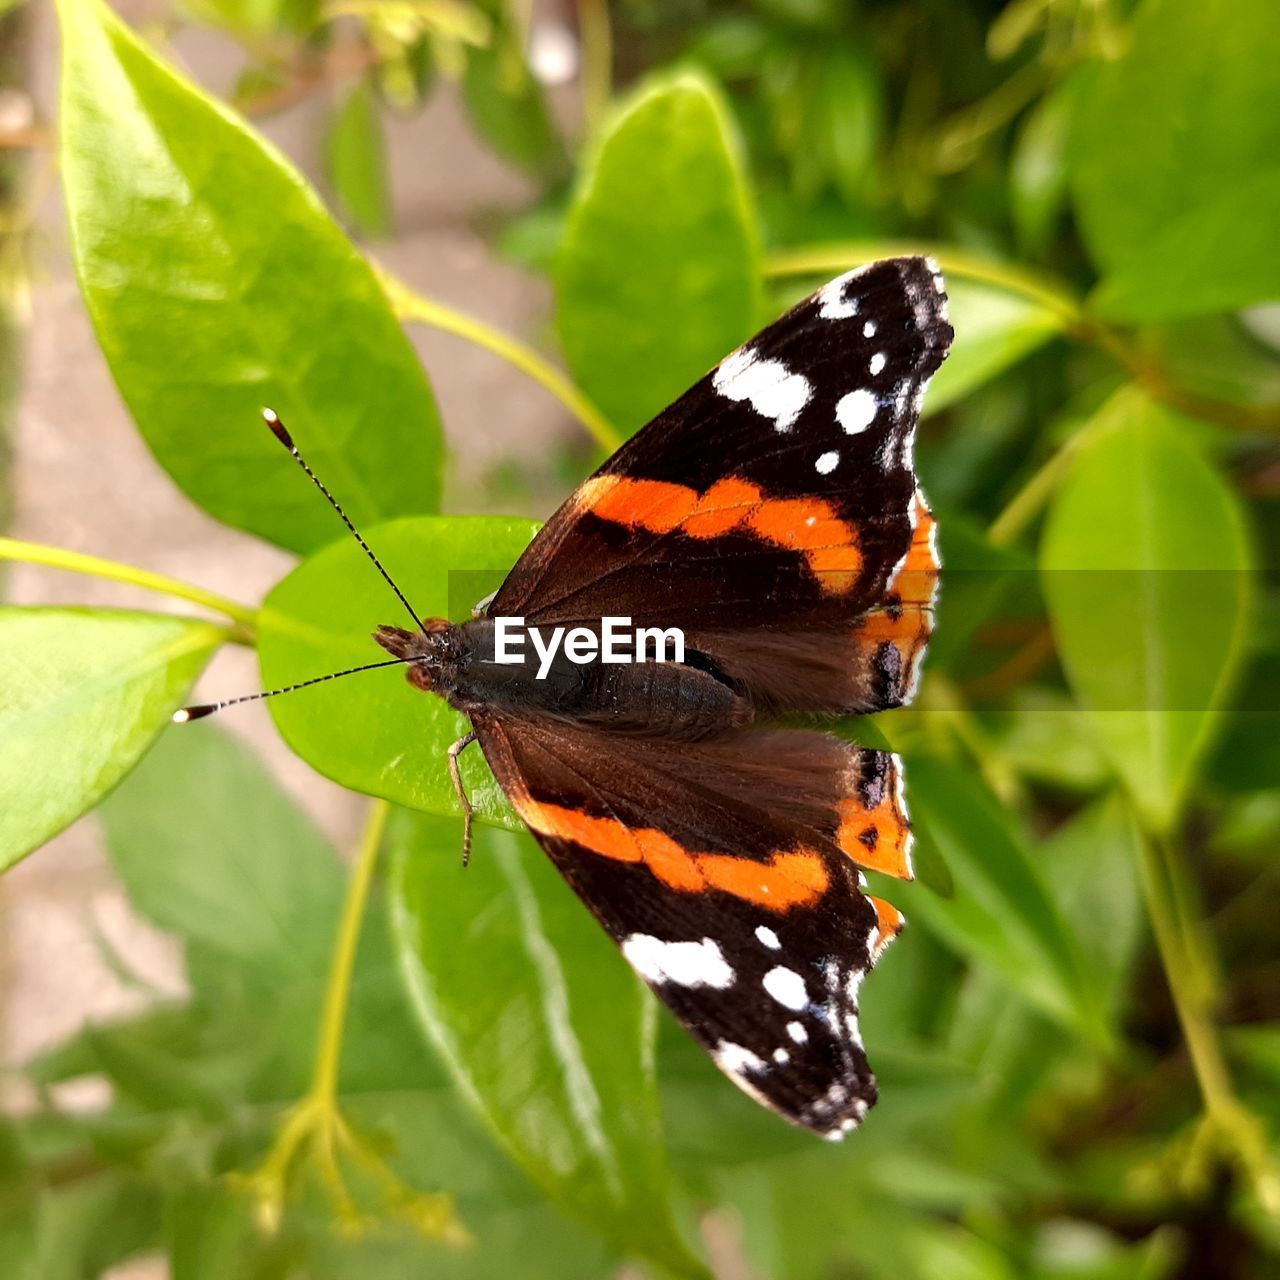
x: 84, y: 480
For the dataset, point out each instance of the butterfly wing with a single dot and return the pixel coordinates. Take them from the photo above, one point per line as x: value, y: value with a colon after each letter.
x: 779, y: 494
x: 728, y: 873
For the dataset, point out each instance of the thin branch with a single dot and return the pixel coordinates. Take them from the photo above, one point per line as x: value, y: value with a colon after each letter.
x: 415, y: 308
x: 115, y: 571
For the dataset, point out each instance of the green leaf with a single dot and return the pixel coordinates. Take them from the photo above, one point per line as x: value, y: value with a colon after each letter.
x: 177, y: 834
x: 373, y: 732
x: 82, y: 695
x: 994, y: 330
x: 660, y: 273
x: 1091, y: 866
x: 1219, y: 256
x: 255, y: 18
x: 541, y: 1023
x: 217, y: 283
x: 1190, y: 111
x: 509, y: 107
x: 1000, y: 914
x: 1038, y: 171
x: 1041, y: 736
x: 1146, y: 571
x: 356, y: 155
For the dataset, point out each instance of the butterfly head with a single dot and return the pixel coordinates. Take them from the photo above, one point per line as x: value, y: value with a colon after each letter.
x: 431, y: 653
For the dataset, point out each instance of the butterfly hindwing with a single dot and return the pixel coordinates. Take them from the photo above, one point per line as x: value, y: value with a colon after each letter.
x: 728, y: 873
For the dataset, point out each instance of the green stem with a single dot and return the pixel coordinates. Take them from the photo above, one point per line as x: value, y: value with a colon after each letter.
x: 324, y: 1085
x: 1054, y: 297
x: 1033, y: 497
x: 1235, y: 1128
x: 597, y: 59
x: 415, y: 308
x: 113, y: 570
x: 940, y: 697
x: 954, y: 262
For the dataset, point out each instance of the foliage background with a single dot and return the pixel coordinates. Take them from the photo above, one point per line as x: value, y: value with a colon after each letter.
x: 1078, y: 1039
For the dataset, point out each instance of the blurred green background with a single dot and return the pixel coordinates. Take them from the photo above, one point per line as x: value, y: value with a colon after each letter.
x: 394, y: 1068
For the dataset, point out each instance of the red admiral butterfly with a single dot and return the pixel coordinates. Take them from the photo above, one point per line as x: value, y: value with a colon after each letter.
x: 772, y: 516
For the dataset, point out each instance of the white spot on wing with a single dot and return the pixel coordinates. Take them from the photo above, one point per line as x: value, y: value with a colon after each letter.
x: 768, y: 386
x: 787, y: 987
x: 767, y: 937
x: 827, y: 463
x: 852, y: 985
x: 734, y: 1059
x: 877, y: 363
x: 832, y: 303
x: 852, y: 1030
x: 781, y: 1057
x: 690, y: 964
x: 869, y: 329
x: 856, y: 411
x: 797, y: 1032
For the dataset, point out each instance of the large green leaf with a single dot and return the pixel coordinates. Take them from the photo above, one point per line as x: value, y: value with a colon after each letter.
x: 218, y: 284
x: 82, y: 695
x: 659, y: 274
x: 373, y: 732
x: 211, y: 1077
x: 1000, y: 911
x: 180, y: 849
x: 1187, y: 114
x: 541, y: 1023
x: 994, y: 329
x: 1146, y: 571
x: 1219, y: 256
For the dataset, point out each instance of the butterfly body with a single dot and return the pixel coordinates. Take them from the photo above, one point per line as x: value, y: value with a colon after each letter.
x: 772, y: 517
x: 682, y: 701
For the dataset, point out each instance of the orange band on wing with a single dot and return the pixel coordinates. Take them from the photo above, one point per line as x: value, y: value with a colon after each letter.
x: 916, y: 582
x: 879, y: 839
x: 889, y: 920
x: 788, y: 879
x: 809, y: 526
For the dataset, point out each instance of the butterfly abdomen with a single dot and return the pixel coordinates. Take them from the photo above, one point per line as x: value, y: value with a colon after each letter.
x: 668, y: 699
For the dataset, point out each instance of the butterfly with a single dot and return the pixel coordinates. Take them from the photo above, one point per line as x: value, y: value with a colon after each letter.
x: 772, y: 519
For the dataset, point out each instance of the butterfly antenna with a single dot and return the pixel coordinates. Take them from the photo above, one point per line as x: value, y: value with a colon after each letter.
x: 185, y: 714
x: 272, y: 419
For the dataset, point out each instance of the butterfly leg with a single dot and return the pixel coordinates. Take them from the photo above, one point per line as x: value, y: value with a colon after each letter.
x: 463, y: 799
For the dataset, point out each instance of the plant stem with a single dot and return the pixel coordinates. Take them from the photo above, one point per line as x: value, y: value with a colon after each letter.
x: 113, y: 570
x: 324, y: 1085
x: 1048, y: 294
x: 1034, y: 495
x: 416, y: 308
x: 1235, y: 1127
x: 956, y: 262
x: 597, y: 59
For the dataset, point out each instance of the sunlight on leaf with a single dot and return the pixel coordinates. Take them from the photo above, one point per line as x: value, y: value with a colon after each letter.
x: 545, y: 1029
x: 218, y: 284
x: 1147, y: 573
x: 653, y: 290
x: 372, y: 731
x: 82, y: 695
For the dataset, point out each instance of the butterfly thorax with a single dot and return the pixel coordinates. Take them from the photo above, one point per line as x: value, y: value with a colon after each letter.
x: 686, y: 700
